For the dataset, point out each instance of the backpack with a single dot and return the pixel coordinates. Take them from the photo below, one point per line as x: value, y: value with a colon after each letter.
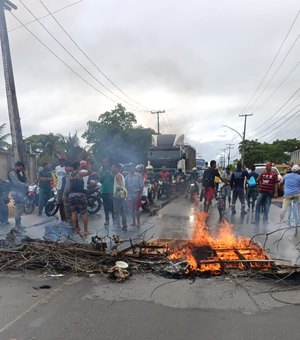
x: 252, y: 182
x: 208, y: 178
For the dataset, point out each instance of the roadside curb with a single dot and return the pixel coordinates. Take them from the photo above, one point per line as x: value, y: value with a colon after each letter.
x: 155, y: 210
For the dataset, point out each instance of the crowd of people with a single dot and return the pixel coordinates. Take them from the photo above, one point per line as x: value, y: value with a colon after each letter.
x: 124, y: 190
x: 121, y: 191
x: 252, y: 189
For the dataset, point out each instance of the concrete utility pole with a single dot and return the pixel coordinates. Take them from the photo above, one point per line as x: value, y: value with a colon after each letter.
x: 244, y: 134
x: 13, y: 111
x: 230, y: 147
x: 157, y: 113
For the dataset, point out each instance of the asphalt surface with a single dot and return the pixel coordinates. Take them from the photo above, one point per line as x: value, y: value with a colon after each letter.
x: 153, y: 307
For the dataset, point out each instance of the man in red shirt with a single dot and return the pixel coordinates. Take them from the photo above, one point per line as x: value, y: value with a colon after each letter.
x: 267, y: 186
x: 164, y: 174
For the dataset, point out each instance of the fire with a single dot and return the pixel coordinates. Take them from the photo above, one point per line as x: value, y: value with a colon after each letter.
x: 215, y: 254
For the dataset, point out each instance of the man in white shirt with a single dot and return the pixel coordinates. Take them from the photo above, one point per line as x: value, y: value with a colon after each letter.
x: 60, y: 172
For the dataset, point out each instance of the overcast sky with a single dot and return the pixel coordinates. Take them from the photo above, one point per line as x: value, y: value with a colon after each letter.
x: 201, y: 61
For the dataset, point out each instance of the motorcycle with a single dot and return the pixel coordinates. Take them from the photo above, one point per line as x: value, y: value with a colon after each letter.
x: 193, y: 190
x: 147, y: 197
x: 94, y: 202
x: 51, y: 206
x: 31, y: 199
x: 94, y: 199
x: 163, y: 189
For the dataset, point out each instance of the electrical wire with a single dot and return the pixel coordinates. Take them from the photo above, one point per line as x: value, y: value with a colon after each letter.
x: 275, y: 73
x: 279, y: 86
x: 277, y: 111
x: 89, y: 58
x: 286, y: 129
x: 295, y: 113
x: 273, y: 61
x: 45, y: 16
x: 77, y: 61
x: 62, y: 61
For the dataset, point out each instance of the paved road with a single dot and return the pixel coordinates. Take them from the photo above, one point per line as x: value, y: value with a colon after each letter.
x: 148, y: 306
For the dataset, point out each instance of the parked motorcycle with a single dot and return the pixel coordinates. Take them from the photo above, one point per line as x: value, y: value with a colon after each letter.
x: 51, y: 206
x: 93, y: 197
x: 31, y: 199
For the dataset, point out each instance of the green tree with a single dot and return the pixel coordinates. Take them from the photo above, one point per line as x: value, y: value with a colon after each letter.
x: 3, y: 144
x: 277, y: 152
x: 73, y: 149
x: 114, y: 136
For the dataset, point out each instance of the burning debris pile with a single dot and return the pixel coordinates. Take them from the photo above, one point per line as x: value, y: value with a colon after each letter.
x: 204, y: 255
x: 218, y: 254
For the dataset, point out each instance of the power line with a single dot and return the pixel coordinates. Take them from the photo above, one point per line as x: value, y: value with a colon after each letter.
x: 279, y: 86
x: 286, y: 129
x: 273, y: 61
x: 76, y: 60
x: 280, y: 120
x: 61, y: 60
x: 45, y: 16
x: 89, y: 58
x: 273, y: 115
x: 276, y: 71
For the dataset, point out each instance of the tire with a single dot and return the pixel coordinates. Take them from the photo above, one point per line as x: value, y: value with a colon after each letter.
x: 51, y: 207
x: 94, y: 204
x: 28, y: 206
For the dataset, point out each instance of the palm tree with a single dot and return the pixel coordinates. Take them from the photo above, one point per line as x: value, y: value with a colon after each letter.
x: 3, y: 144
x: 72, y: 147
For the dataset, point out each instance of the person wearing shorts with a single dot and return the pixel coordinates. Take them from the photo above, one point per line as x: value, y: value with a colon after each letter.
x: 77, y: 197
x: 208, y: 184
x: 291, y: 184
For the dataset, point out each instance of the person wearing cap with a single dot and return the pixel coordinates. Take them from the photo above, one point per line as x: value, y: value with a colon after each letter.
x: 291, y: 182
x: 60, y: 173
x: 267, y: 187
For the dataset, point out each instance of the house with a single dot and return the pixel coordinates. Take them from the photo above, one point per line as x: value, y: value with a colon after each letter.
x: 295, y: 156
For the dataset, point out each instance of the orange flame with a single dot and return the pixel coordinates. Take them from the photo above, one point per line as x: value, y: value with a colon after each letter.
x: 227, y: 250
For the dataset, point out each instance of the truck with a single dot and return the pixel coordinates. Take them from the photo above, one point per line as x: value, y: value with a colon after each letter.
x: 171, y: 150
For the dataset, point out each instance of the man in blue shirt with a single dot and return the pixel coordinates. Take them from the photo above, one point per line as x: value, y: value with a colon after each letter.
x: 237, y: 184
x: 291, y: 184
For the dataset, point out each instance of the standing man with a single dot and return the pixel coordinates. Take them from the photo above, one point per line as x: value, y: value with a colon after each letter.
x: 237, y: 183
x: 208, y: 184
x: 107, y: 181
x: 120, y: 195
x: 291, y: 183
x: 134, y: 185
x: 252, y: 188
x: 227, y: 188
x: 60, y: 172
x: 45, y: 180
x: 77, y: 198
x: 18, y: 180
x: 267, y: 186
x: 4, y: 191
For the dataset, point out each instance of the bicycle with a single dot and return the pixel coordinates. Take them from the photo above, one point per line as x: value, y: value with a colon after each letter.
x: 294, y: 218
x: 221, y: 198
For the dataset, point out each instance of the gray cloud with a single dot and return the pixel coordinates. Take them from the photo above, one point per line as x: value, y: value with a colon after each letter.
x: 199, y: 60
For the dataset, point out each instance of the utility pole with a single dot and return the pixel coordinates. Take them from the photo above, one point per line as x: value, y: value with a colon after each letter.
x: 157, y: 113
x: 245, y: 115
x: 13, y: 111
x: 230, y: 147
